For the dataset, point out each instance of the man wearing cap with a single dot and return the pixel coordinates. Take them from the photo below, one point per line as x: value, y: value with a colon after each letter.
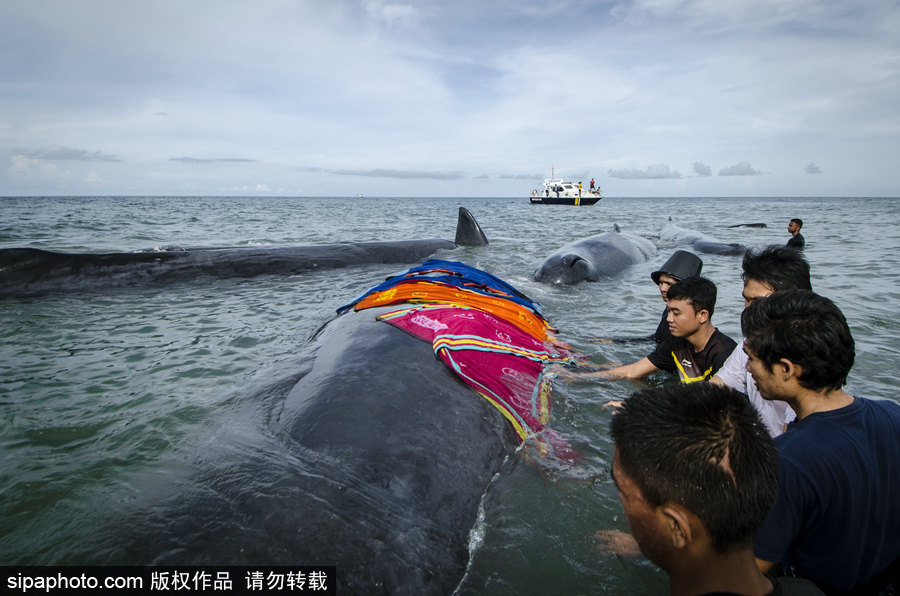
x: 681, y: 264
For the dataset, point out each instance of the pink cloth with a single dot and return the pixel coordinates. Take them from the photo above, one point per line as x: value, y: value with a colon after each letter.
x: 496, y: 358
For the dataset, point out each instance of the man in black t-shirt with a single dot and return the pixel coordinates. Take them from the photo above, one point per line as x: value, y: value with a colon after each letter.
x: 697, y: 349
x: 797, y: 240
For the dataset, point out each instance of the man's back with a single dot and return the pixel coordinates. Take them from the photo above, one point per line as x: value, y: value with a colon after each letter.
x: 836, y: 519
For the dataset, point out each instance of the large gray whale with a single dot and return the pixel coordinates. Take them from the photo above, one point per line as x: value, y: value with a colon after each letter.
x: 591, y: 258
x: 678, y: 236
x: 375, y: 460
x: 369, y: 454
x: 31, y: 270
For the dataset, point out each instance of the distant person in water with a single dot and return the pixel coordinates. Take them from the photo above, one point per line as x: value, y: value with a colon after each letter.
x: 797, y: 240
x: 697, y: 349
x: 695, y: 495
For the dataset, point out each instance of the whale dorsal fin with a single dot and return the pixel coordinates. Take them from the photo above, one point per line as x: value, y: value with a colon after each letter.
x: 468, y: 232
x: 616, y: 228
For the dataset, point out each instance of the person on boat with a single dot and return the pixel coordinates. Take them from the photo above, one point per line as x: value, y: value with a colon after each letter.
x: 766, y: 271
x: 697, y: 349
x: 796, y: 240
x: 835, y: 520
x: 694, y: 496
x: 592, y: 185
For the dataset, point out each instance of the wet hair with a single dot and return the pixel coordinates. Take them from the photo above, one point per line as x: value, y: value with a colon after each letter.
x: 702, y: 446
x: 806, y: 329
x: 699, y: 291
x: 779, y: 267
x: 797, y: 221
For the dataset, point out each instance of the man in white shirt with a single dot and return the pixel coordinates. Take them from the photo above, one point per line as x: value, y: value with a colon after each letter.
x: 770, y: 270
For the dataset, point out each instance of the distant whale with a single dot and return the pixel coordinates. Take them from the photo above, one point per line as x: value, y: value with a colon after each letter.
x: 374, y: 457
x: 678, y: 236
x: 591, y: 258
x: 32, y: 270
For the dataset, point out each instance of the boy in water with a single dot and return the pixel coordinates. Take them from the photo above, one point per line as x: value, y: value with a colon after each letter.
x: 697, y: 349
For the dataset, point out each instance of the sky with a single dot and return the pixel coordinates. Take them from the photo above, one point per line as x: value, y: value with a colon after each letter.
x: 459, y: 98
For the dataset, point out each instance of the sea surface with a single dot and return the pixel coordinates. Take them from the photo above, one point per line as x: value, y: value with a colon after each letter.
x: 102, y: 387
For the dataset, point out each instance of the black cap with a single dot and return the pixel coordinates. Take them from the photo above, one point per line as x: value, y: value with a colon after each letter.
x: 680, y: 265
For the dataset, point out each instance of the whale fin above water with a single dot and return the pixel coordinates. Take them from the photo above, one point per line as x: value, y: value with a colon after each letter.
x: 25, y: 271
x: 468, y: 232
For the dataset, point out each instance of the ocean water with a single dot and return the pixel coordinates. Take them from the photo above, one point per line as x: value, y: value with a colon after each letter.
x: 101, y: 388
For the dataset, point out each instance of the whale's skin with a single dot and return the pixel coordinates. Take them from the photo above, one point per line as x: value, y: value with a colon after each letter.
x: 376, y: 460
x: 33, y: 270
x: 750, y: 225
x: 677, y: 236
x: 589, y: 259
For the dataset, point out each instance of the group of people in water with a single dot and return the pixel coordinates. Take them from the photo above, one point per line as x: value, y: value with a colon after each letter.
x: 757, y: 473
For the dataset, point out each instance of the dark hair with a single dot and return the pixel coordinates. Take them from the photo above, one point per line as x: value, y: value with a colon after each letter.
x: 797, y: 221
x: 698, y: 290
x: 704, y: 447
x: 779, y: 267
x: 806, y: 329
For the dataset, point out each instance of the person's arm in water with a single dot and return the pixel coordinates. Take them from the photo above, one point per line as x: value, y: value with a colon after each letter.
x: 635, y: 370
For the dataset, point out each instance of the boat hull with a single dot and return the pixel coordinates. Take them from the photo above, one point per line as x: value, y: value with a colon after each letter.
x: 588, y: 199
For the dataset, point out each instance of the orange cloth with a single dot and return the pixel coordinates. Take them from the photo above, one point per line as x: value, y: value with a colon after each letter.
x: 420, y: 292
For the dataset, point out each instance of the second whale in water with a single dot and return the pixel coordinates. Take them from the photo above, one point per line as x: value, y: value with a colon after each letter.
x: 591, y: 258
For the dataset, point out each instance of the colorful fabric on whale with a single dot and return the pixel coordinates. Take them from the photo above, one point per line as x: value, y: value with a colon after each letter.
x: 496, y: 344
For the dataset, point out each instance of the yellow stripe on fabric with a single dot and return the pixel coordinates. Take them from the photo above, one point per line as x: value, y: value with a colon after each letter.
x: 475, y: 343
x: 683, y: 374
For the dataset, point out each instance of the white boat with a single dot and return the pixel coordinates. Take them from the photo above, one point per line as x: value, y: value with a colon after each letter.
x: 557, y: 191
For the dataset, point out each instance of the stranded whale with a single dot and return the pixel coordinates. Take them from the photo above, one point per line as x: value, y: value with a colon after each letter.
x: 376, y: 454
x: 591, y: 258
x: 32, y: 270
x: 678, y: 236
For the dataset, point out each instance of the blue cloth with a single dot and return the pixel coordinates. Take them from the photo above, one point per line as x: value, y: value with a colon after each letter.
x: 836, y: 519
x: 456, y: 274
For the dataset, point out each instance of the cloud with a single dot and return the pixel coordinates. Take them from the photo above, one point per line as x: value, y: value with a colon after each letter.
x: 59, y: 153
x: 392, y: 13
x: 450, y: 92
x: 212, y: 160
x: 255, y: 188
x: 701, y: 169
x: 653, y: 172
x: 20, y: 165
x: 403, y: 174
x: 812, y: 168
x: 520, y: 177
x: 741, y: 169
